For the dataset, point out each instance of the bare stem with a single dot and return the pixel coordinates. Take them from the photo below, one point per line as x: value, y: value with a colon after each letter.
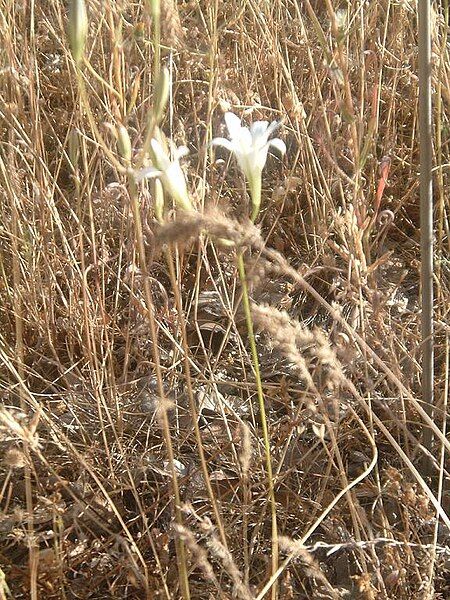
x: 262, y: 410
x: 426, y: 212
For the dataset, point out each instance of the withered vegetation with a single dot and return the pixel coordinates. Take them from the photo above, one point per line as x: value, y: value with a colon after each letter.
x: 333, y: 266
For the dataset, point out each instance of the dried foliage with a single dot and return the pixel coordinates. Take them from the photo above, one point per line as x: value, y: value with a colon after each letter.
x: 86, y: 485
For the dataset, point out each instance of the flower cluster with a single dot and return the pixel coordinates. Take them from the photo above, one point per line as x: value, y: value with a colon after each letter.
x: 250, y: 146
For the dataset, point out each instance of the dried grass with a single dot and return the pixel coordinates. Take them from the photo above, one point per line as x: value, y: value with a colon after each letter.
x: 86, y: 491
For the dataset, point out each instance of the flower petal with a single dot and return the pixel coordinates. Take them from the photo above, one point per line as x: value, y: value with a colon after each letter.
x: 174, y: 182
x: 259, y: 158
x: 272, y: 127
x: 181, y: 151
x: 258, y: 129
x: 223, y: 142
x: 243, y: 141
x: 161, y: 158
x: 278, y: 145
x: 146, y: 173
x: 233, y: 124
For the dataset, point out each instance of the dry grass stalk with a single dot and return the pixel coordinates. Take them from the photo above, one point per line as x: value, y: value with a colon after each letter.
x: 172, y: 30
x: 296, y: 342
x: 87, y: 498
x: 309, y: 564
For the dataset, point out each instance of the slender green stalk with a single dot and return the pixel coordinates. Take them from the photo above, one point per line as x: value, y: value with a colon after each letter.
x: 155, y: 11
x: 155, y: 8
x: 262, y: 410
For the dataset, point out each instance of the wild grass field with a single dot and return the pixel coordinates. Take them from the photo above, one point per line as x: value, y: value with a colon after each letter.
x: 203, y: 396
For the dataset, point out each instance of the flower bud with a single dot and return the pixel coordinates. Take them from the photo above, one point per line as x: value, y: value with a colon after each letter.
x: 124, y: 143
x: 74, y: 149
x: 78, y: 28
x: 161, y: 95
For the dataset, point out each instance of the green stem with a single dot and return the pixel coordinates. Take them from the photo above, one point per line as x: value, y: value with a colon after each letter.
x: 156, y: 15
x: 255, y: 193
x: 155, y: 11
x: 262, y: 410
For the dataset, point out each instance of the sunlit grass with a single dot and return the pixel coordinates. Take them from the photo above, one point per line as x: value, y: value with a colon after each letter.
x: 210, y: 360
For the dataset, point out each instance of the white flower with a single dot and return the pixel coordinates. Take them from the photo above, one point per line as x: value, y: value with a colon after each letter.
x: 169, y: 172
x: 250, y: 146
